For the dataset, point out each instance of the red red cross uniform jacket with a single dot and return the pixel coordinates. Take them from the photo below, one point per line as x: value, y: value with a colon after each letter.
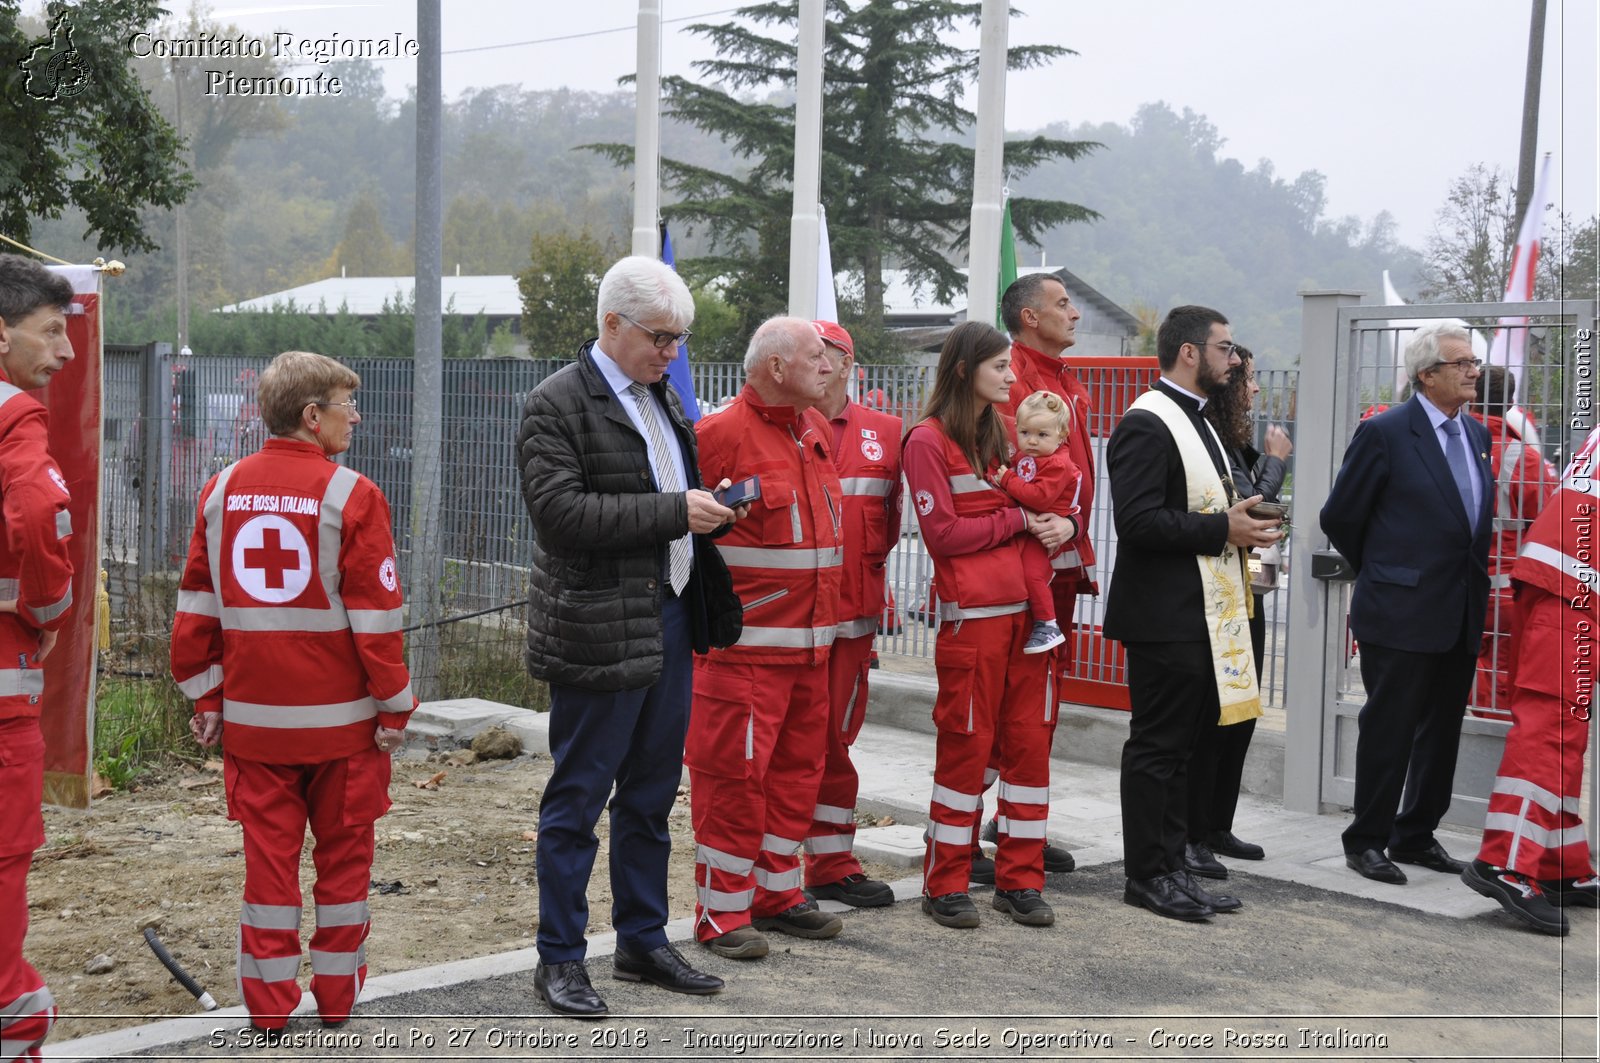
x: 866, y: 454
x: 289, y: 617
x: 759, y: 720
x: 1533, y: 824
x: 35, y: 572
x: 991, y: 695
x: 1523, y: 480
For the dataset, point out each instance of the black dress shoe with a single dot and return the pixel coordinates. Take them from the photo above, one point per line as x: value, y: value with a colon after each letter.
x: 1198, y: 860
x: 1219, y: 902
x: 1434, y: 858
x: 1371, y: 863
x: 1227, y: 843
x: 1162, y: 896
x: 1057, y: 861
x: 565, y: 987
x: 664, y: 967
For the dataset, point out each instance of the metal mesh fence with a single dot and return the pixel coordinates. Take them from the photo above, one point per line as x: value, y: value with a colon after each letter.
x: 171, y: 423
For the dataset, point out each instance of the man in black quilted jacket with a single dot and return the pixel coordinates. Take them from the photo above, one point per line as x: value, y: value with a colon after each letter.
x: 623, y: 591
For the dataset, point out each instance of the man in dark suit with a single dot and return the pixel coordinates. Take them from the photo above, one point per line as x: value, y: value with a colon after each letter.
x: 1169, y: 513
x: 623, y: 587
x: 1410, y: 511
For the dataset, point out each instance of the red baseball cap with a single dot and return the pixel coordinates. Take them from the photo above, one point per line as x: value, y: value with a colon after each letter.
x: 836, y: 335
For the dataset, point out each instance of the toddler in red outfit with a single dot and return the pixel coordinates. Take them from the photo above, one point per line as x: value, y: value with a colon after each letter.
x: 1045, y: 480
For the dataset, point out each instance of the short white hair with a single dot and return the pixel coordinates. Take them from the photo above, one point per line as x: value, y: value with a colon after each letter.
x: 1422, y: 349
x: 645, y: 290
x: 776, y: 335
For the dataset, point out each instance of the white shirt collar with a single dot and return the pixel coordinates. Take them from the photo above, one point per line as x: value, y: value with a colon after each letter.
x: 620, y: 382
x: 1201, y: 399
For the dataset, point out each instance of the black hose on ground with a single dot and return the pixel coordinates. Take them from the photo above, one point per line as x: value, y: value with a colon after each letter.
x: 207, y: 1001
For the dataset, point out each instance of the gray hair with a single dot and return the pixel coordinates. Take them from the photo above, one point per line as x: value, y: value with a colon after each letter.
x: 645, y: 290
x: 776, y: 335
x: 1422, y: 349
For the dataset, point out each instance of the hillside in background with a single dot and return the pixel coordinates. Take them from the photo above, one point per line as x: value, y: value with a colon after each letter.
x: 1182, y: 222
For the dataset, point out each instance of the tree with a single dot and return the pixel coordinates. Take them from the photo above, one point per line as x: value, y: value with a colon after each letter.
x: 558, y: 292
x: 896, y: 176
x: 95, y: 142
x: 366, y: 249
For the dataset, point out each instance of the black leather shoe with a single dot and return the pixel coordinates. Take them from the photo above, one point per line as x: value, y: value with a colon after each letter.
x: 1198, y: 860
x: 982, y: 873
x: 1371, y: 863
x: 858, y: 891
x: 1434, y: 858
x: 952, y: 909
x: 1057, y: 861
x: 1162, y: 896
x: 1024, y: 906
x: 1227, y: 843
x: 1219, y: 902
x: 664, y: 967
x: 1519, y: 895
x: 804, y: 920
x: 565, y: 987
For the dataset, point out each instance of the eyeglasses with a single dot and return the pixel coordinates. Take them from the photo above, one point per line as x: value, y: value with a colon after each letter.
x: 1462, y: 364
x: 662, y: 340
x: 349, y: 404
x: 1229, y: 349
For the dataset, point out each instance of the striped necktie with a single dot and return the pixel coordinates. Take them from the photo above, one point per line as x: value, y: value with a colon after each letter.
x: 666, y: 479
x: 1455, y: 452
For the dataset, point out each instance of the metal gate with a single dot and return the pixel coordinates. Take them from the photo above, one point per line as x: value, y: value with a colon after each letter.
x: 1349, y: 362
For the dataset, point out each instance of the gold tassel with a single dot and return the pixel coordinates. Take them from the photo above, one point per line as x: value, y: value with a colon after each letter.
x: 102, y: 611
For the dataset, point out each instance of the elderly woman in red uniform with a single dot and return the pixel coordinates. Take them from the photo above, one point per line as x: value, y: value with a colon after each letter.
x: 988, y: 688
x: 288, y: 640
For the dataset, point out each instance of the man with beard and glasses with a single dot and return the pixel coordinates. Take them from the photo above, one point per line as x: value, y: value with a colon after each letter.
x: 1178, y: 602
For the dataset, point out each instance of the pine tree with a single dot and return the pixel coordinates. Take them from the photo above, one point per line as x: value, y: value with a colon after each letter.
x: 896, y: 178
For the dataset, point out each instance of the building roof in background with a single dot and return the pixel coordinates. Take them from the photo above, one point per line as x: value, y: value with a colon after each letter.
x: 496, y: 296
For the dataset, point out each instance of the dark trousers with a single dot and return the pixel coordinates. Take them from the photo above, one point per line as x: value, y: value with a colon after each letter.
x: 1217, y: 768
x: 1410, y: 730
x: 633, y: 738
x: 1173, y: 690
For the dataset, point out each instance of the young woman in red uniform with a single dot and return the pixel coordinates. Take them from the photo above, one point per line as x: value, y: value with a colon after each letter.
x: 987, y: 686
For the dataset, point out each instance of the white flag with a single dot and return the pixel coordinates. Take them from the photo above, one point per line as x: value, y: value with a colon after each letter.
x: 827, y: 301
x: 1510, y: 343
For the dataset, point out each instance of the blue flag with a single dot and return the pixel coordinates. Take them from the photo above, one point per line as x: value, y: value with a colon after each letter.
x: 678, y: 369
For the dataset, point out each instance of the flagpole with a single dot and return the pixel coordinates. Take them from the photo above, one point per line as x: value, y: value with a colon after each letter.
x: 803, y: 223
x: 647, y: 132
x: 983, y: 250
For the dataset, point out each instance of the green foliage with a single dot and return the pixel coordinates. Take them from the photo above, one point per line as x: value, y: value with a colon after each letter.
x: 897, y: 189
x: 138, y: 721
x: 366, y: 249
x: 105, y: 151
x: 558, y: 291
x: 717, y: 336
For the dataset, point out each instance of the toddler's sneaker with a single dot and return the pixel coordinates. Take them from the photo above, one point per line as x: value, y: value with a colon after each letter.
x: 1044, y: 636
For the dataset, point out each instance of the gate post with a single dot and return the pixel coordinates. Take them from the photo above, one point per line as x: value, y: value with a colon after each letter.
x: 1318, y: 407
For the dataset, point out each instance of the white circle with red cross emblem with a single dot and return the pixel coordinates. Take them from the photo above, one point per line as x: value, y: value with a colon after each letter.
x: 1027, y: 468
x: 872, y: 450
x: 387, y: 576
x: 271, y: 561
x: 924, y: 502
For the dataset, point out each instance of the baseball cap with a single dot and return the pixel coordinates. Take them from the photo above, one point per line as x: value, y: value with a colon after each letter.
x: 836, y: 335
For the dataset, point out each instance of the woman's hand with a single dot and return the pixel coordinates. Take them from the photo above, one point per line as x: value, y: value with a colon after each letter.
x: 47, y: 639
x: 1277, y: 443
x: 389, y: 740
x: 1052, y: 530
x: 206, y: 728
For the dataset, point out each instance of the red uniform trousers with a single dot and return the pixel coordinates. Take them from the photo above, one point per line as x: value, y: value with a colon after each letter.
x: 755, y: 751
x: 1533, y: 825
x: 1062, y: 659
x: 341, y: 799
x: 991, y: 696
x: 830, y: 844
x: 27, y: 1010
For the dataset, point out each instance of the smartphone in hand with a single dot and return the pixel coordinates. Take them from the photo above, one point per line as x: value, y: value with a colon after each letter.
x: 739, y: 494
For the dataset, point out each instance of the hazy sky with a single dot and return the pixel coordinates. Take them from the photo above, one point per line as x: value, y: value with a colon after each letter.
x: 1390, y: 99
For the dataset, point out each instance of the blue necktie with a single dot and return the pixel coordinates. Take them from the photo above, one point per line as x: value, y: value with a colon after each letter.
x: 1455, y: 453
